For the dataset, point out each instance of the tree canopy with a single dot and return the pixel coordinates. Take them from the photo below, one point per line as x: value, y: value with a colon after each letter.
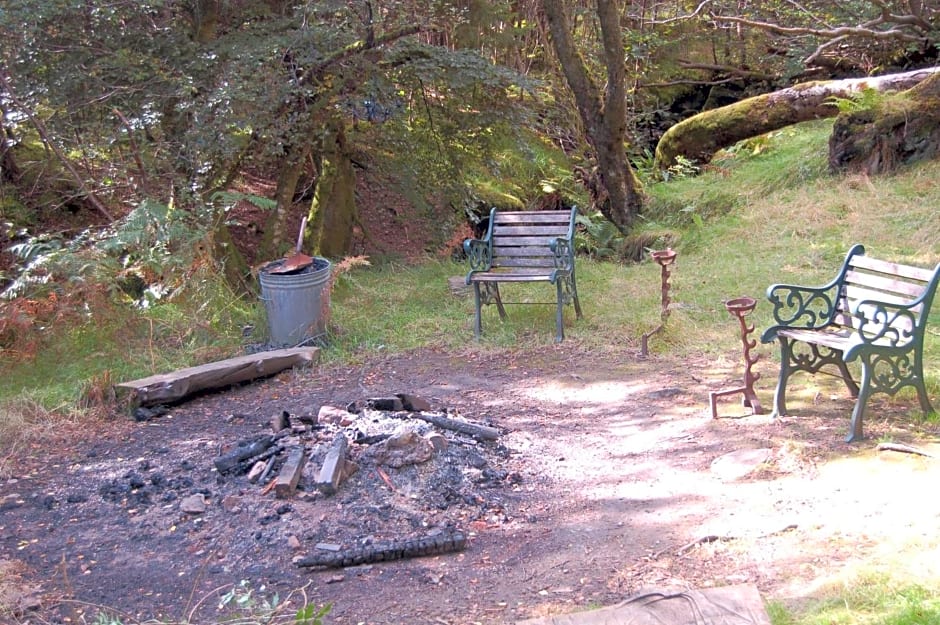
x: 115, y: 107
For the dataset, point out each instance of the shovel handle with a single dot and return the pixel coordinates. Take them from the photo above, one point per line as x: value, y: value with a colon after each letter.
x: 300, y: 235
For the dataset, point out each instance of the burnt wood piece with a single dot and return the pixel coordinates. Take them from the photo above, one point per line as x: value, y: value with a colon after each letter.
x: 269, y: 456
x: 331, y: 473
x: 480, y: 432
x: 290, y: 473
x: 243, y: 451
x: 171, y: 387
x: 874, y: 311
x: 524, y: 246
x: 446, y: 542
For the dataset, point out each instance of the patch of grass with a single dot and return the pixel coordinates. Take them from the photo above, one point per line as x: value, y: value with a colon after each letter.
x: 870, y: 599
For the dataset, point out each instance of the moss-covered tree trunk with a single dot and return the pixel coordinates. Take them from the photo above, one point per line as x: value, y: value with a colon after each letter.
x: 700, y: 136
x: 333, y: 211
x: 614, y: 187
x: 234, y: 267
x: 899, y: 130
x: 276, y: 239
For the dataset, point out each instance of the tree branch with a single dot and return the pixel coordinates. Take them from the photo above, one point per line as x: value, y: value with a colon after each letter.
x: 47, y: 140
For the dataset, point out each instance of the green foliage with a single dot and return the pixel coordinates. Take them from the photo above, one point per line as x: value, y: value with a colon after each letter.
x: 864, y: 100
x: 597, y: 237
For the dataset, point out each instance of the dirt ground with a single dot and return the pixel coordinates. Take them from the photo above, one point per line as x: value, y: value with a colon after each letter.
x: 608, y: 477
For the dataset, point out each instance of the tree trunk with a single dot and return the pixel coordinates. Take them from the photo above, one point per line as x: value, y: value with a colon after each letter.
x: 899, y: 130
x: 234, y: 267
x: 605, y: 121
x: 333, y: 209
x: 699, y: 137
x: 275, y: 240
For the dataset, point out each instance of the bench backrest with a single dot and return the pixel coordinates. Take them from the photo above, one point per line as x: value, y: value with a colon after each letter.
x: 867, y: 278
x: 520, y: 239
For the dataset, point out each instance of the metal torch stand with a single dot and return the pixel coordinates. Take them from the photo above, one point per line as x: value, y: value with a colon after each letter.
x: 664, y: 258
x: 739, y: 308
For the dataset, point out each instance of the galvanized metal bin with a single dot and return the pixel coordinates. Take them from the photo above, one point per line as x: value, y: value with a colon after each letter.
x: 298, y: 303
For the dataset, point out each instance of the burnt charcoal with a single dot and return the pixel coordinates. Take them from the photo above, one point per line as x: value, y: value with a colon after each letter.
x: 388, y: 404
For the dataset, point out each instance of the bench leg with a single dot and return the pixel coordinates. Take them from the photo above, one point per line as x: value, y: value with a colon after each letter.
x: 847, y: 378
x: 574, y: 297
x: 858, y: 413
x: 780, y: 394
x: 477, y: 322
x: 495, y: 297
x: 559, y: 319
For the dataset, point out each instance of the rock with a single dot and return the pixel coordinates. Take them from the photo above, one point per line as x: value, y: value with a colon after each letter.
x: 256, y: 470
x: 280, y: 421
x: 232, y: 503
x: 335, y: 416
x: 194, y: 504
x: 437, y: 440
x: 403, y: 448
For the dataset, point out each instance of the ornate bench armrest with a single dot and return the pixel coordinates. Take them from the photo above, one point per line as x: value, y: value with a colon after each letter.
x: 564, y: 254
x: 885, y: 325
x: 800, y: 307
x: 479, y: 253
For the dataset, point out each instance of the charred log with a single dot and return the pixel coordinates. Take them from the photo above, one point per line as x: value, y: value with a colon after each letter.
x: 447, y: 542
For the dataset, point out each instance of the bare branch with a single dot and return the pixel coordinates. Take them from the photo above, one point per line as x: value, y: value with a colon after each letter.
x: 863, y: 30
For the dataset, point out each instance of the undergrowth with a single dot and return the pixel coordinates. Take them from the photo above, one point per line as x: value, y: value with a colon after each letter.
x: 765, y: 211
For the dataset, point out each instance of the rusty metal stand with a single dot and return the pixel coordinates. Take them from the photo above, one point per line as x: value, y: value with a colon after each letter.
x: 664, y: 258
x: 739, y: 308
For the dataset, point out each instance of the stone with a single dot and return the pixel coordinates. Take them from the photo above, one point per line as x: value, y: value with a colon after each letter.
x: 194, y: 504
x: 331, y: 415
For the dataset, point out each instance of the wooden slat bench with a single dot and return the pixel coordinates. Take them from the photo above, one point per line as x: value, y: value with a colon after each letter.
x: 524, y: 246
x: 874, y: 311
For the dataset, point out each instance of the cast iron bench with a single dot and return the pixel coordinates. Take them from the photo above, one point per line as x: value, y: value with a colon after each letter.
x: 874, y: 310
x: 524, y: 246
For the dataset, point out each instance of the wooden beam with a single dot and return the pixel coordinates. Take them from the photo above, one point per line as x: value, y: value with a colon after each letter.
x: 332, y: 471
x: 172, y: 387
x: 290, y: 473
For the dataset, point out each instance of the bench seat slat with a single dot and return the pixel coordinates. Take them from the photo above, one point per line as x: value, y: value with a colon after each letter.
x: 511, y: 277
x: 836, y: 339
x: 522, y: 263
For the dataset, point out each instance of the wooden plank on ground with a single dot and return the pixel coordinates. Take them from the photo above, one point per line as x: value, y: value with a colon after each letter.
x: 171, y: 387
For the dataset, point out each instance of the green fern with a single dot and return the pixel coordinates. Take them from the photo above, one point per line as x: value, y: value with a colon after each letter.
x: 864, y: 100
x: 597, y: 236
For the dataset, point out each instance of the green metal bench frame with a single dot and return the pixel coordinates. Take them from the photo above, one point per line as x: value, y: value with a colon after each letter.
x: 874, y: 311
x: 524, y: 246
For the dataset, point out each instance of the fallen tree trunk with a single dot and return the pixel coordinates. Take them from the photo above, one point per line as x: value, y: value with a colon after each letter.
x: 174, y: 386
x: 897, y: 131
x: 700, y: 136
